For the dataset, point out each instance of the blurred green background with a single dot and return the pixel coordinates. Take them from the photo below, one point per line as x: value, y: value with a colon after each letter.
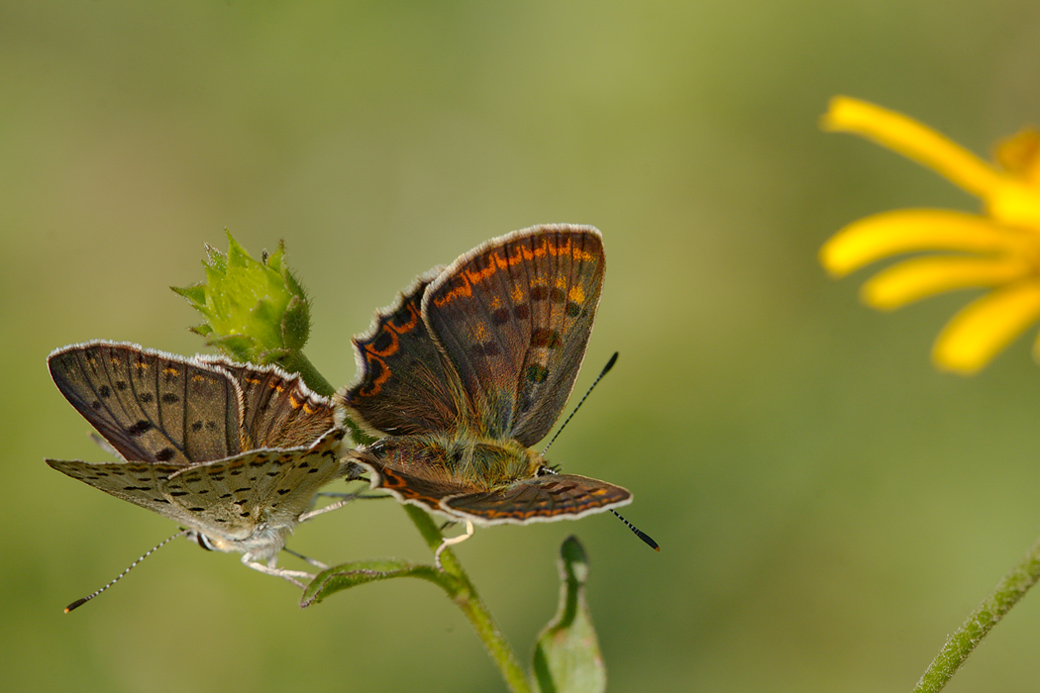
x: 829, y: 506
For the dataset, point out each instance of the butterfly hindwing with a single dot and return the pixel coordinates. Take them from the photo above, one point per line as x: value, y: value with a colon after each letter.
x: 278, y: 409
x: 404, y: 385
x: 543, y: 498
x: 136, y: 482
x: 405, y: 468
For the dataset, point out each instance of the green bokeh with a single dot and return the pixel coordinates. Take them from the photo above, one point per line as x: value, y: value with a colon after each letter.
x: 829, y: 507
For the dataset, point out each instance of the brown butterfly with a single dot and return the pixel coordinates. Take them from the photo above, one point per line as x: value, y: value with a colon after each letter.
x: 234, y: 453
x: 470, y: 367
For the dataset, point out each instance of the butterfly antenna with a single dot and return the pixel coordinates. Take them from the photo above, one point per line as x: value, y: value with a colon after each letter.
x: 638, y: 532
x: 80, y: 602
x: 606, y: 369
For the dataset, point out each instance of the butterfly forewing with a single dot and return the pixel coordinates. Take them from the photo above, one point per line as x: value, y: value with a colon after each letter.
x: 514, y: 316
x: 150, y: 406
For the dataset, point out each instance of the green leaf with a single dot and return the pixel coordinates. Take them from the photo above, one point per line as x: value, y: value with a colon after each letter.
x: 567, y: 657
x: 349, y: 575
x: 195, y: 294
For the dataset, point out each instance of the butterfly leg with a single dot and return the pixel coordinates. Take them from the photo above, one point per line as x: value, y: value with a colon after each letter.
x: 344, y: 499
x: 290, y: 575
x: 316, y: 563
x: 446, y: 542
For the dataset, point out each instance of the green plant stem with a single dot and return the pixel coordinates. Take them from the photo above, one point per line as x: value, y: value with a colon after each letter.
x: 453, y: 580
x: 462, y: 592
x: 986, y: 615
x: 297, y: 362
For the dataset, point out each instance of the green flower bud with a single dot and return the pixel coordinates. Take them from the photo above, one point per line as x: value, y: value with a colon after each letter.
x: 255, y: 311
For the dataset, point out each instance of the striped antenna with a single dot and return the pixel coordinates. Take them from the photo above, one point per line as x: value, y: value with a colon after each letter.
x: 80, y: 602
x: 606, y: 369
x: 638, y: 532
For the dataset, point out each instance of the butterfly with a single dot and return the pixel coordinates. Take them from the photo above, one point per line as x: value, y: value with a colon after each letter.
x: 470, y: 367
x: 235, y: 453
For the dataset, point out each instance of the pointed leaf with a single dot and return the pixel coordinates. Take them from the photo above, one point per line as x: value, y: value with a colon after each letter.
x: 362, y: 572
x: 194, y: 294
x: 567, y: 658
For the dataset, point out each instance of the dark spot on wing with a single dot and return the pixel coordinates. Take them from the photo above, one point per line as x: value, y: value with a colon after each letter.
x: 537, y: 373
x: 139, y: 428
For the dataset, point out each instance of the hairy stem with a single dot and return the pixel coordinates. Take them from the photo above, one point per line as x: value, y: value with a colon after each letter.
x: 453, y: 580
x: 464, y: 594
x: 986, y: 615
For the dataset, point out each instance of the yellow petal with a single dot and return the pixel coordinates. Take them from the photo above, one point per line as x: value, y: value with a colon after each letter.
x: 1020, y: 154
x: 903, y: 231
x: 912, y: 280
x: 913, y: 140
x: 975, y: 335
x: 1016, y: 204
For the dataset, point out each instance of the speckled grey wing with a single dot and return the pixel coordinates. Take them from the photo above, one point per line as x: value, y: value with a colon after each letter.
x: 143, y: 484
x: 150, y: 406
x: 232, y: 497
x: 541, y: 499
x: 228, y: 498
x: 279, y: 411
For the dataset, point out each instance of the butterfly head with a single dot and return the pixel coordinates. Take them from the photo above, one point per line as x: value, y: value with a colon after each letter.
x: 261, y: 543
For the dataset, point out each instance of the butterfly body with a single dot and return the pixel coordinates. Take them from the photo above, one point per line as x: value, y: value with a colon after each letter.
x: 470, y: 367
x: 480, y: 464
x: 234, y: 453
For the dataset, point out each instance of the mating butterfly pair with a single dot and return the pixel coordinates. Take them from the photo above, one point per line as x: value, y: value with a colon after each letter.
x: 470, y: 367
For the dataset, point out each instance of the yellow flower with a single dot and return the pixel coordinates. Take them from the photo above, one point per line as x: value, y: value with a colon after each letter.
x: 998, y: 250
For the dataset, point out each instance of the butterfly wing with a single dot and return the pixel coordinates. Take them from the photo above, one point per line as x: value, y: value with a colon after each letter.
x: 227, y: 500
x: 237, y: 498
x: 139, y: 483
x: 150, y: 406
x: 409, y: 470
x: 404, y: 385
x: 279, y: 411
x: 514, y: 317
x: 541, y: 499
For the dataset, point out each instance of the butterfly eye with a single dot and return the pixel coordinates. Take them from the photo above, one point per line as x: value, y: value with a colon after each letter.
x: 202, y: 540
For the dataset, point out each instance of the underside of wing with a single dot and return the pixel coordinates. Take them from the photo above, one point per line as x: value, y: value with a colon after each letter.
x: 279, y: 411
x: 150, y: 406
x: 541, y: 499
x: 232, y: 497
x: 139, y: 483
